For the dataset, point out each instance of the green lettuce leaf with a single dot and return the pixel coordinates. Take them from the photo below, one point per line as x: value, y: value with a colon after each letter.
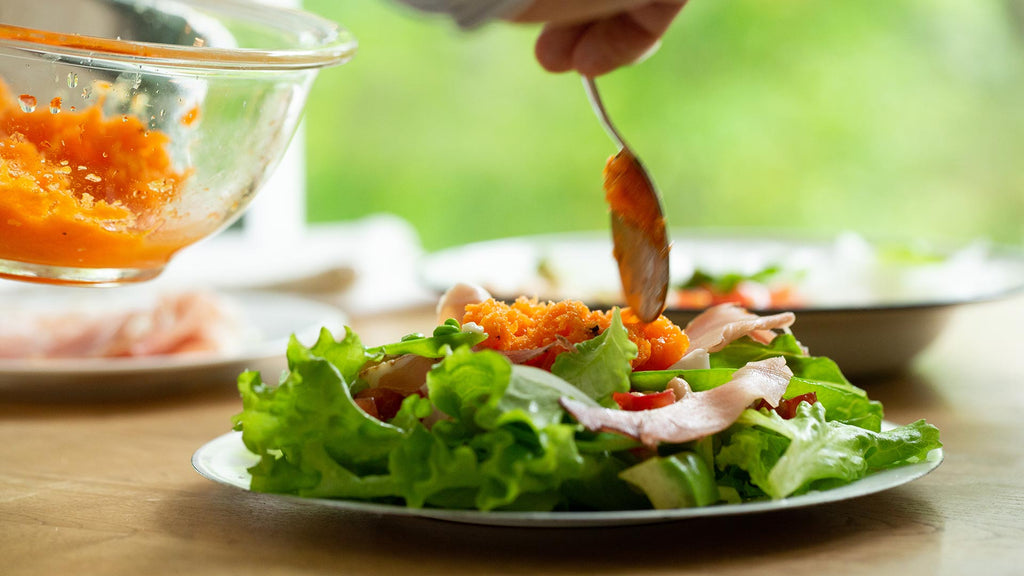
x: 726, y: 282
x: 446, y: 338
x: 682, y: 480
x: 493, y: 436
x: 599, y: 487
x: 311, y: 404
x: 468, y: 382
x: 426, y: 469
x: 532, y: 397
x: 819, y: 453
x: 484, y: 391
x: 601, y: 365
x: 739, y: 352
x: 520, y: 475
x: 312, y: 439
x: 504, y: 445
x: 699, y: 380
x: 347, y: 355
x: 844, y: 403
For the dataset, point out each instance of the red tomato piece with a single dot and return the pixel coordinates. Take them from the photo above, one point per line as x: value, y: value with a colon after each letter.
x: 635, y: 401
x: 386, y: 402
x: 694, y: 298
x: 787, y: 406
x: 367, y: 405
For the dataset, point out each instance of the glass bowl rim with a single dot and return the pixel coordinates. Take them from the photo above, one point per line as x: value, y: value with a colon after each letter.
x: 334, y: 44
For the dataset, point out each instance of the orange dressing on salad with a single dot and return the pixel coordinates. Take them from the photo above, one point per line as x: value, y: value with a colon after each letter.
x: 81, y: 190
x: 528, y: 324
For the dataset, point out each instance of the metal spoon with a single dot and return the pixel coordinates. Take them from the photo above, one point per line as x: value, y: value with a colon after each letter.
x: 640, y: 242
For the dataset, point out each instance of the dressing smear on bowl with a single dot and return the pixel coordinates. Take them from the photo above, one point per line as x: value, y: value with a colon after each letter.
x: 81, y: 190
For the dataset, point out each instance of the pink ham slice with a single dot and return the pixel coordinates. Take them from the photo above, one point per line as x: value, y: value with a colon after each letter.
x: 175, y: 324
x: 405, y: 374
x: 716, y: 327
x: 561, y: 344
x: 696, y: 414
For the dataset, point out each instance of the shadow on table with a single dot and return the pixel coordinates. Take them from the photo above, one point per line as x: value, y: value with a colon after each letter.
x: 26, y: 404
x: 908, y: 396
x: 231, y: 524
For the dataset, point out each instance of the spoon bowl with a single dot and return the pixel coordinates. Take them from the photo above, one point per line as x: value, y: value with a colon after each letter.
x: 639, y: 238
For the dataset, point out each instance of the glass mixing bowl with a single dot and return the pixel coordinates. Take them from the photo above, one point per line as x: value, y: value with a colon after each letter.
x: 130, y: 129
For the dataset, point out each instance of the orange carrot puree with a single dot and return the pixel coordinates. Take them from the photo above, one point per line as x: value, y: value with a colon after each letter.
x: 527, y: 324
x: 81, y: 190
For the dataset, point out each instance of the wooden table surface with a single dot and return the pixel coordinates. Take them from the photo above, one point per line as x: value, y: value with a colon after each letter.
x: 108, y: 488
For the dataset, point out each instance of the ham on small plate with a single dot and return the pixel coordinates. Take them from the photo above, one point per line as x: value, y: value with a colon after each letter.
x: 69, y: 344
x: 175, y: 323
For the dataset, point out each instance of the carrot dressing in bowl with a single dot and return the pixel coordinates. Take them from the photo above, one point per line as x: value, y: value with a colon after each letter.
x: 81, y: 190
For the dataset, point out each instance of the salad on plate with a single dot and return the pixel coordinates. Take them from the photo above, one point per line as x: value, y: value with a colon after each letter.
x: 550, y: 406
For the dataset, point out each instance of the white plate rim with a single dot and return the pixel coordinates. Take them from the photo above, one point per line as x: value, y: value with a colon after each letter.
x: 224, y: 460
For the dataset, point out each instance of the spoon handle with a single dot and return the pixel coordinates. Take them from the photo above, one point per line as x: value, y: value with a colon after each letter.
x: 639, y: 239
x: 602, y: 115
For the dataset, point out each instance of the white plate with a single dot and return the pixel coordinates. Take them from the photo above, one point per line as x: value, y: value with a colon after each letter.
x: 226, y: 460
x: 853, y: 294
x: 269, y: 318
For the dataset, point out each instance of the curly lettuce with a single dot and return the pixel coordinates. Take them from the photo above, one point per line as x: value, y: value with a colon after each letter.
x: 492, y: 435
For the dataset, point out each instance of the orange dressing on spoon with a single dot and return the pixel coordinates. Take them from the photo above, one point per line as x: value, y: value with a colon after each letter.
x: 625, y: 191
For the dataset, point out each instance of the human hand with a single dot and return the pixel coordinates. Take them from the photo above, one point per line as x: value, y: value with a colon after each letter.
x: 594, y: 37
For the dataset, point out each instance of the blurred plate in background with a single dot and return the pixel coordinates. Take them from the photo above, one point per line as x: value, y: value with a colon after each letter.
x: 267, y: 321
x: 871, y: 307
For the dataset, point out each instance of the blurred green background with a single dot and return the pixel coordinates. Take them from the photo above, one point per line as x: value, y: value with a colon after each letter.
x: 896, y: 119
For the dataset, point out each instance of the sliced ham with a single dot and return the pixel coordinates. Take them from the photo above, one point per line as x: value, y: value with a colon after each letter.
x: 561, y: 344
x: 179, y: 323
x: 175, y: 324
x: 696, y: 414
x: 716, y: 327
x: 694, y: 359
x: 72, y: 335
x: 405, y: 374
